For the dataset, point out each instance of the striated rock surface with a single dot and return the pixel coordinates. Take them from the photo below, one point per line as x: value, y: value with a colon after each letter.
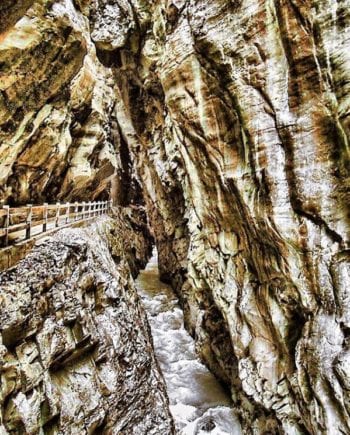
x: 76, y: 353
x: 237, y: 117
x: 233, y: 116
x: 58, y: 136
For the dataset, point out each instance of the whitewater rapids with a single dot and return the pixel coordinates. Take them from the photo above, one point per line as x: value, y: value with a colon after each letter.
x: 198, y: 402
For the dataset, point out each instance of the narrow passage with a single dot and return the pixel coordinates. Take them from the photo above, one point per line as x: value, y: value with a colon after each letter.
x: 197, y: 401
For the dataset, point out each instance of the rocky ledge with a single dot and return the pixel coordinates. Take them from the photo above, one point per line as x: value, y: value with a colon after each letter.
x: 76, y: 354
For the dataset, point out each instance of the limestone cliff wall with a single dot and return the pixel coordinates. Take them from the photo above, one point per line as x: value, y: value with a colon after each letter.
x: 237, y: 116
x: 58, y: 134
x: 233, y: 116
x: 76, y: 355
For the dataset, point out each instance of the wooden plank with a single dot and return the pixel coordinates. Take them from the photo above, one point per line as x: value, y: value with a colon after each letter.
x: 83, y: 210
x: 37, y: 208
x: 58, y: 205
x: 67, y: 212
x: 15, y: 215
x: 15, y: 210
x: 7, y: 223
x: 29, y: 221
x: 45, y: 217
x: 17, y: 227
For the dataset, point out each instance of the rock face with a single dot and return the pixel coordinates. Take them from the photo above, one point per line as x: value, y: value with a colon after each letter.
x: 59, y: 139
x: 233, y: 116
x: 76, y: 353
x: 237, y: 117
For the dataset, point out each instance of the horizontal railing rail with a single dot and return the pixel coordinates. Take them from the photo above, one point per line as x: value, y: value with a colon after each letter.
x: 21, y: 223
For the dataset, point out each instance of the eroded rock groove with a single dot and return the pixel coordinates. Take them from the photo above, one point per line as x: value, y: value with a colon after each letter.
x: 227, y: 122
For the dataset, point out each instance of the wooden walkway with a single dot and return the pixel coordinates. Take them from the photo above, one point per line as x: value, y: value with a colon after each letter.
x: 22, y: 223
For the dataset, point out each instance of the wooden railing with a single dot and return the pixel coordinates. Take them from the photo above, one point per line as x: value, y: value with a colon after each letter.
x: 21, y: 223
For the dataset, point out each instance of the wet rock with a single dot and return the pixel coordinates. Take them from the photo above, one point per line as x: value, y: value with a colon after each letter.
x: 233, y: 119
x: 244, y: 167
x: 76, y: 352
x: 198, y: 401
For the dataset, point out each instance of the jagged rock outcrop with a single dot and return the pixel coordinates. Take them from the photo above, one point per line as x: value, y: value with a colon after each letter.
x: 237, y: 117
x: 76, y: 353
x: 59, y: 138
x: 234, y: 116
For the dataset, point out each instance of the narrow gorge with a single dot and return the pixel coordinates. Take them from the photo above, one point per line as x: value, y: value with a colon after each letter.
x: 220, y: 132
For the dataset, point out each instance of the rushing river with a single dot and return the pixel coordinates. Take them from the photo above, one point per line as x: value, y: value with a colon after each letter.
x: 197, y: 401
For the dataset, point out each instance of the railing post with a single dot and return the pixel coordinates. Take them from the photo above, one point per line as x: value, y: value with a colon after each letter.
x: 83, y: 216
x: 45, y: 217
x: 29, y: 221
x: 67, y: 212
x: 89, y: 210
x: 7, y: 223
x: 57, y: 219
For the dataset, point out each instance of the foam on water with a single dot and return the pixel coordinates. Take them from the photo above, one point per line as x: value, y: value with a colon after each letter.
x: 198, y: 402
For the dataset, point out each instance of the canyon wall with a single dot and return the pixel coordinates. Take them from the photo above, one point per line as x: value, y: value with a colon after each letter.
x: 59, y: 138
x: 237, y: 117
x: 233, y: 117
x: 76, y: 355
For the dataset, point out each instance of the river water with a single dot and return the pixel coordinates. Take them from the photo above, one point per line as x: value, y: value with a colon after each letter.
x: 198, y: 403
